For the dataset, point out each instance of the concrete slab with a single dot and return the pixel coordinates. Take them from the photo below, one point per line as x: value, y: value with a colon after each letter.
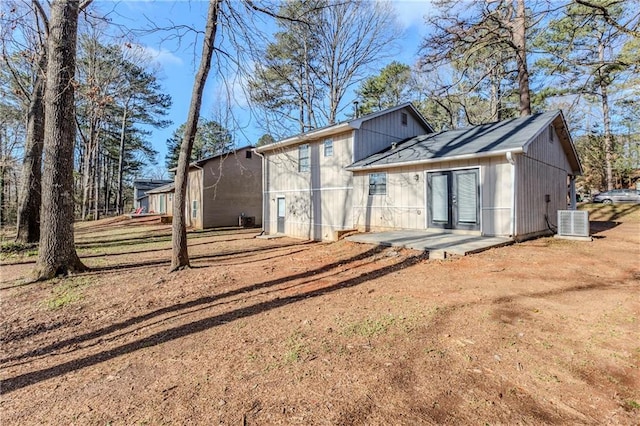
x: 438, y: 244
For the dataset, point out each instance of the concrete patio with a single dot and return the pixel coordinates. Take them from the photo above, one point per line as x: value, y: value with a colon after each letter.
x: 437, y: 244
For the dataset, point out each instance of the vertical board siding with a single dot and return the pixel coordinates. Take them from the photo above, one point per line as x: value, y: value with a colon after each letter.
x: 543, y: 170
x: 404, y: 205
x: 232, y: 187
x: 377, y: 134
x: 194, y: 192
x: 497, y: 197
x: 318, y: 202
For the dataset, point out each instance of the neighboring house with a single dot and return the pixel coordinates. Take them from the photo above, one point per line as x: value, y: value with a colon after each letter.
x: 161, y: 199
x: 501, y: 179
x: 309, y: 192
x: 140, y: 189
x: 220, y: 190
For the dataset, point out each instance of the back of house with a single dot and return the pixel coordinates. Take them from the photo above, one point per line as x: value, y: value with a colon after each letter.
x: 308, y: 190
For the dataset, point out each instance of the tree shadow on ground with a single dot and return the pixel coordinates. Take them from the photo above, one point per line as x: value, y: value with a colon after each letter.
x: 187, y: 305
x: 23, y: 380
x: 156, y: 237
x: 612, y: 212
x: 596, y: 226
x: 192, y: 258
x: 14, y: 383
x: 138, y: 241
x: 168, y: 247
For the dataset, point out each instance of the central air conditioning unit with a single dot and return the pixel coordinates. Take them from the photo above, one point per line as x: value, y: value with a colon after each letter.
x: 573, y: 223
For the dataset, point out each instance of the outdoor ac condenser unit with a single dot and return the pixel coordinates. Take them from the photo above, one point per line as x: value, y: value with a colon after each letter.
x: 573, y: 223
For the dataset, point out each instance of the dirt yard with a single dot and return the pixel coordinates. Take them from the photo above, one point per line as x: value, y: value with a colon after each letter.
x: 287, y: 332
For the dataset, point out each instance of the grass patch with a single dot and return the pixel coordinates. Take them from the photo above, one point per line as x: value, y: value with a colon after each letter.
x: 297, y: 349
x: 11, y: 249
x: 369, y: 327
x: 633, y: 405
x: 66, y: 292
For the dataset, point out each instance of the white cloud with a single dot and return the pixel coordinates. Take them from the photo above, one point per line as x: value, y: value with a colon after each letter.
x: 411, y: 13
x: 162, y: 57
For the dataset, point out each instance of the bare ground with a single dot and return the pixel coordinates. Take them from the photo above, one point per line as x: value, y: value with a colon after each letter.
x: 293, y: 332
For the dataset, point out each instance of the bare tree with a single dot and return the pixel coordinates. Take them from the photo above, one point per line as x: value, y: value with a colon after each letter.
x: 324, y: 48
x: 30, y: 28
x: 486, y: 43
x: 57, y: 254
x: 180, y: 254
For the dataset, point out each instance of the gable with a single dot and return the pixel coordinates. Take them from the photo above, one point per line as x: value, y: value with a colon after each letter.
x: 384, y: 121
x: 380, y: 132
x: 485, y: 140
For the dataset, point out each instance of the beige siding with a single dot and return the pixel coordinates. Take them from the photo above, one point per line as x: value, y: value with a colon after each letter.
x: 232, y: 187
x: 155, y: 203
x: 194, y: 193
x: 318, y: 202
x: 377, y: 134
x: 405, y: 206
x: 497, y: 196
x: 542, y: 171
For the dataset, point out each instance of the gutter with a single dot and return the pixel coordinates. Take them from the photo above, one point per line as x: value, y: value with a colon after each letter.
x: 338, y: 128
x: 438, y: 160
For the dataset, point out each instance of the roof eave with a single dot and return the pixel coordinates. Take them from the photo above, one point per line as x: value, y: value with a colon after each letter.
x: 304, y: 137
x: 436, y: 160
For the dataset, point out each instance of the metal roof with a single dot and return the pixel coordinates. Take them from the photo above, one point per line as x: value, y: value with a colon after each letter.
x: 472, y: 142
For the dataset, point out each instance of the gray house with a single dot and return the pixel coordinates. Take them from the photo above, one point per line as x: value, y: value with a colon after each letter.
x: 308, y: 191
x: 501, y: 179
x: 141, y: 187
x: 388, y: 170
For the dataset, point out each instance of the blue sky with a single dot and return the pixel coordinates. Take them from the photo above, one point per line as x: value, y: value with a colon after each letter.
x: 178, y: 60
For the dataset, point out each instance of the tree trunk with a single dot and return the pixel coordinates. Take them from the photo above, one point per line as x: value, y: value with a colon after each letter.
x: 180, y: 254
x: 96, y: 182
x: 608, y: 138
x: 119, y: 201
x: 29, y: 198
x: 87, y: 169
x: 57, y: 254
x: 519, y: 40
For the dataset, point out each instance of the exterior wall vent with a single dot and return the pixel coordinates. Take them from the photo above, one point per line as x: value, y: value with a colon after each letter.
x: 573, y: 223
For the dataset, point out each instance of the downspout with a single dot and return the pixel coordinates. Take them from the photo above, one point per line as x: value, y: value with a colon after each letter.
x: 572, y: 192
x: 264, y: 179
x: 512, y: 161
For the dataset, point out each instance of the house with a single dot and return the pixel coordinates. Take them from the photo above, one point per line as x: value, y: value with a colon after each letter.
x: 161, y: 199
x: 309, y: 192
x: 140, y: 189
x: 222, y: 190
x: 501, y: 179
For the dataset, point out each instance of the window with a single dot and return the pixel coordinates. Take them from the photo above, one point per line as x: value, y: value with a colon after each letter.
x: 247, y: 154
x: 303, y: 158
x: 404, y: 119
x: 170, y: 197
x: 194, y: 209
x: 550, y: 134
x: 328, y: 148
x: 377, y: 183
